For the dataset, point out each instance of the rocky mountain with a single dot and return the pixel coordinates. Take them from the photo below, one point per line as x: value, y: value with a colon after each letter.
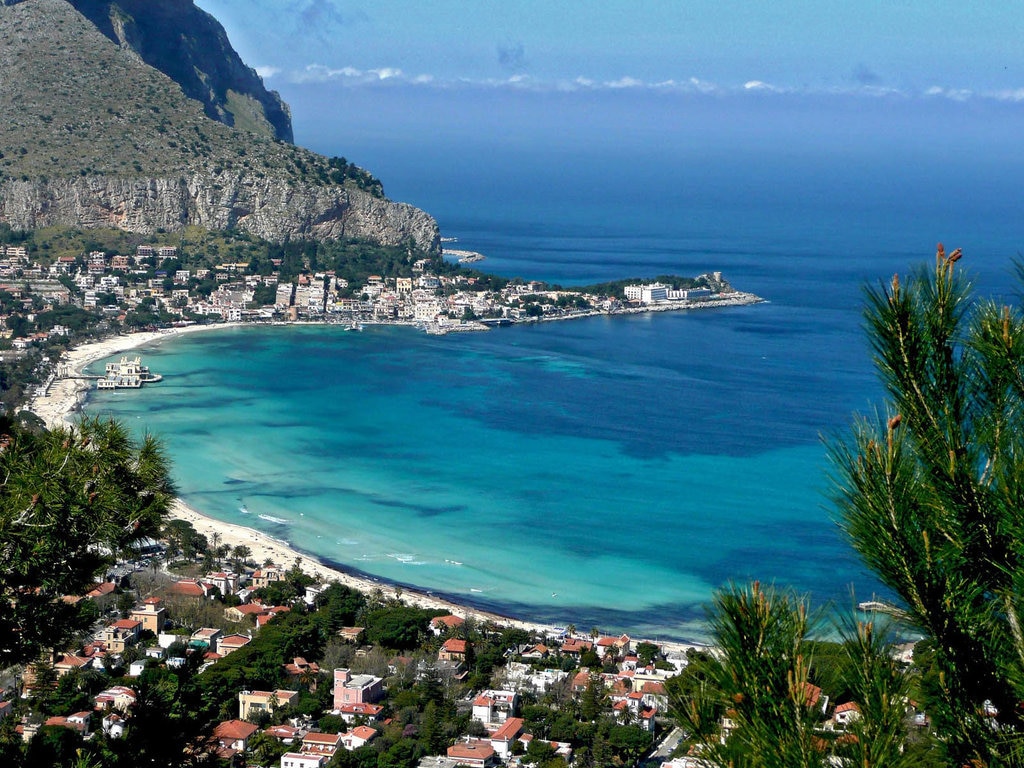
x: 94, y: 136
x: 190, y: 46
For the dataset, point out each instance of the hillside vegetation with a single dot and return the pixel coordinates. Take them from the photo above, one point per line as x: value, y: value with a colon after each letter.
x: 76, y: 104
x: 190, y: 46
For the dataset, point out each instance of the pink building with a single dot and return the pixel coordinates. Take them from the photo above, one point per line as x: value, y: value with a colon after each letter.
x: 356, y: 689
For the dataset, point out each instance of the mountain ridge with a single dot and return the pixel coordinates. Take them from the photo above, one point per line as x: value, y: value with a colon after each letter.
x: 97, y: 137
x: 191, y: 47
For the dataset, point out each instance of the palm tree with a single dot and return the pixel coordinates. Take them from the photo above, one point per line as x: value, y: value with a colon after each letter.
x: 222, y: 552
x: 214, y: 541
x: 240, y: 554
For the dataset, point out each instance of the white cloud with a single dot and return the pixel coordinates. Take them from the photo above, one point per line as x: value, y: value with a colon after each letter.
x: 354, y: 77
x: 386, y: 73
x: 703, y: 86
x: 954, y: 94
x: 320, y: 73
x: 625, y: 82
x: 761, y: 86
x: 1016, y: 94
x: 267, y: 72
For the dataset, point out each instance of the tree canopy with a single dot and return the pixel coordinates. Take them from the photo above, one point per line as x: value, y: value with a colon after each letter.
x: 931, y: 494
x: 70, y: 499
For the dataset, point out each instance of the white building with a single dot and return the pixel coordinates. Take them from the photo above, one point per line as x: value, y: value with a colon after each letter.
x: 495, y: 707
x: 647, y: 294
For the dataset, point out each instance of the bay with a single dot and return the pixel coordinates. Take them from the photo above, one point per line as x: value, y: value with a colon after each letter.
x: 606, y: 472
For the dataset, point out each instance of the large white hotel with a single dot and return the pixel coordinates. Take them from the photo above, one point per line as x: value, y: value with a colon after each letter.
x: 654, y: 292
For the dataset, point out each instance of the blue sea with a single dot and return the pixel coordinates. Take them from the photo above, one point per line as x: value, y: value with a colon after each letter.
x: 609, y: 472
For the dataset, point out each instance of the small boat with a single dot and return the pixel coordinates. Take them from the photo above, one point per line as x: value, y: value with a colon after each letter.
x: 356, y: 326
x: 243, y: 509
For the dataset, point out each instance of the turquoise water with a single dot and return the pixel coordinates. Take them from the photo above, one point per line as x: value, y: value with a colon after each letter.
x: 608, y: 471
x: 519, y: 469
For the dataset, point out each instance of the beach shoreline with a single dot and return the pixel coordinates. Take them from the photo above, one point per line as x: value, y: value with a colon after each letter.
x: 63, y: 399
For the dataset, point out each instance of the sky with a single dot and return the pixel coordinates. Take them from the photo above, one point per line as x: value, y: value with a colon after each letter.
x: 938, y: 48
x: 427, y: 94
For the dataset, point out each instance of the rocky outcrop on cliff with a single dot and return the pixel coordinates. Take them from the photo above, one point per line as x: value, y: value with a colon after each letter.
x: 265, y: 207
x: 95, y: 137
x: 191, y: 47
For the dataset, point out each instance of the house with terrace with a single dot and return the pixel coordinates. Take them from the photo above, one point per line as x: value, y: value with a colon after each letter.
x: 356, y: 689
x: 492, y: 708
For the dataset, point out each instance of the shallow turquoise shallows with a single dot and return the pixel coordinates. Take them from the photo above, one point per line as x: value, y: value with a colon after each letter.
x: 608, y: 471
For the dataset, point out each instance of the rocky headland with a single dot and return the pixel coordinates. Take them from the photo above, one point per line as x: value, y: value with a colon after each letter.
x: 96, y: 136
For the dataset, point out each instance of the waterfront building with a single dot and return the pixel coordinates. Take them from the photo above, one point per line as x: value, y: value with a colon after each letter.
x: 128, y: 373
x: 647, y: 294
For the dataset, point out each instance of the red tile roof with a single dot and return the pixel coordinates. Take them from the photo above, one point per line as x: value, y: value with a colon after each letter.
x: 509, y: 730
x: 471, y: 751
x: 361, y: 708
x: 251, y: 608
x: 316, y: 738
x: 811, y: 694
x: 234, y: 730
x: 188, y: 589
x: 282, y: 731
x: 106, y: 588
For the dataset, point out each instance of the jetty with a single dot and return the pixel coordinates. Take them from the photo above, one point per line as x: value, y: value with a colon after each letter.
x: 874, y: 605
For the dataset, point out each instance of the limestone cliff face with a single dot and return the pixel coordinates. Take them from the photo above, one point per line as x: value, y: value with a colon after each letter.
x: 266, y: 207
x: 94, y: 136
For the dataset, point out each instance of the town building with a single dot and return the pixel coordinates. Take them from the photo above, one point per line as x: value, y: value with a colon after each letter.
x: 255, y: 702
x: 356, y: 689
x: 151, y: 614
x: 495, y: 707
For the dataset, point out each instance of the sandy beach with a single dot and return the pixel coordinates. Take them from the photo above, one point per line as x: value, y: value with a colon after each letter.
x: 62, y: 403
